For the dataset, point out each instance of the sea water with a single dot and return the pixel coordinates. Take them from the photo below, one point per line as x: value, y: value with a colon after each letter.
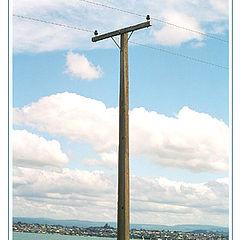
x: 36, y: 236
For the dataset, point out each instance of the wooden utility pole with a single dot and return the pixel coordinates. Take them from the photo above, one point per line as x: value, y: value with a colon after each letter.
x: 123, y: 150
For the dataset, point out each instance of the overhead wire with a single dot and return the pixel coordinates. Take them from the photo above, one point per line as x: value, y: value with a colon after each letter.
x: 179, y: 55
x: 139, y: 44
x: 53, y: 23
x: 156, y: 19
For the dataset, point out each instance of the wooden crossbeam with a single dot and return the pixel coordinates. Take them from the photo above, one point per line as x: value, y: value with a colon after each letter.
x: 121, y: 31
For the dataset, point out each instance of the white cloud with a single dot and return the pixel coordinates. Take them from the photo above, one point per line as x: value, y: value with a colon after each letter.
x: 64, y: 181
x: 73, y: 116
x: 173, y: 36
x: 65, y: 194
x: 108, y: 160
x: 78, y: 194
x: 220, y: 5
x: 35, y: 36
x: 30, y: 150
x: 76, y: 117
x: 204, y: 196
x: 191, y: 140
x: 79, y: 66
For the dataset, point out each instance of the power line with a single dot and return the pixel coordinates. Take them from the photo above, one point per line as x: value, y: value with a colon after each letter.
x: 53, y: 23
x: 191, y: 30
x: 156, y: 19
x: 139, y: 44
x: 180, y: 55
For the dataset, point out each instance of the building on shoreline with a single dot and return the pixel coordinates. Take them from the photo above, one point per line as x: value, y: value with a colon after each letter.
x: 110, y: 232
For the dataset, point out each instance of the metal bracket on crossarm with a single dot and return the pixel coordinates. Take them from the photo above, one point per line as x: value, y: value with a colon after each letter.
x: 130, y: 35
x: 115, y: 42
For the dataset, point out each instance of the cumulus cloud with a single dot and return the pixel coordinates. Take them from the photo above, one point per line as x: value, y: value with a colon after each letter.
x: 78, y: 194
x: 64, y: 182
x: 172, y: 36
x: 220, y: 6
x: 64, y: 194
x: 76, y: 117
x: 202, y: 15
x: 79, y: 66
x: 190, y: 140
x: 73, y: 116
x: 31, y: 150
x: 187, y: 195
x: 108, y: 160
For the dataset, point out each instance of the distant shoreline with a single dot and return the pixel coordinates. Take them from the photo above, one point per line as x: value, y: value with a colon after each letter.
x: 66, y: 235
x: 107, y: 231
x: 82, y: 223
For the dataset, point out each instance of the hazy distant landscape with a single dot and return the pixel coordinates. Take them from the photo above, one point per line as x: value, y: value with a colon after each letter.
x: 81, y: 223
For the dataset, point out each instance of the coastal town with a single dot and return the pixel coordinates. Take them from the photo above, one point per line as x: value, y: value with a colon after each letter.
x: 110, y: 232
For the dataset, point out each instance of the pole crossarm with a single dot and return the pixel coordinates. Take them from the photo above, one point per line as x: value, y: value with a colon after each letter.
x: 121, y: 31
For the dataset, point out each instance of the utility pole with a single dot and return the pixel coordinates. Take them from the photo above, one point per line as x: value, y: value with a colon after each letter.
x: 123, y: 150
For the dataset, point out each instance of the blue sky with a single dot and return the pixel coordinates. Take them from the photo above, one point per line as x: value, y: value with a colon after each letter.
x: 167, y: 94
x: 168, y: 82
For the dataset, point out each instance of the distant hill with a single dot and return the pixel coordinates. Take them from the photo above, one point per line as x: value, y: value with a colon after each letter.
x: 68, y: 223
x: 80, y: 223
